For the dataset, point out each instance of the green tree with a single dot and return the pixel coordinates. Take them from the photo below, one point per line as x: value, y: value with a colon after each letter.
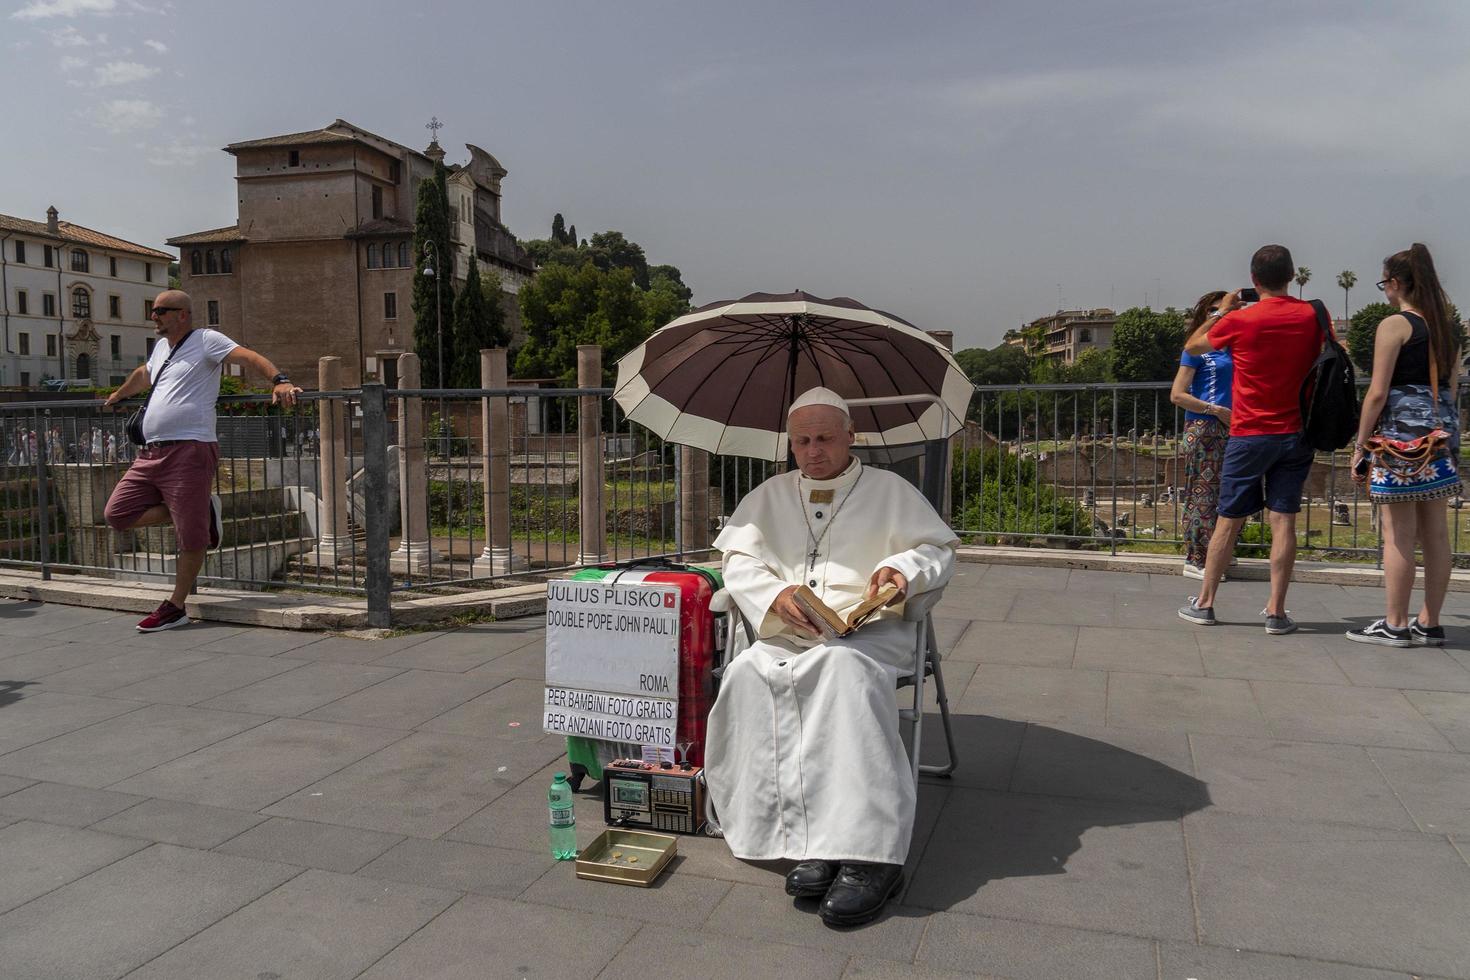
x: 479, y: 322
x: 1363, y: 328
x: 670, y: 274
x: 1346, y: 281
x: 559, y: 229
x: 1146, y: 344
x: 1006, y: 364
x: 431, y: 224
x: 1303, y: 276
x: 610, y: 250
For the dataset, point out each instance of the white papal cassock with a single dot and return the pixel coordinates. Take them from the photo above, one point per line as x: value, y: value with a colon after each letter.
x: 803, y: 757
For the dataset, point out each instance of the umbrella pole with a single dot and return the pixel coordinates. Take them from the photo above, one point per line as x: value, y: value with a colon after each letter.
x: 791, y: 388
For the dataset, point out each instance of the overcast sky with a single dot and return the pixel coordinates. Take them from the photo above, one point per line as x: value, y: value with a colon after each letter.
x: 968, y: 166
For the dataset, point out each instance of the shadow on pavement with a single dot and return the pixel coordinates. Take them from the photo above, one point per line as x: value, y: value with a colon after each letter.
x: 19, y: 610
x: 10, y: 691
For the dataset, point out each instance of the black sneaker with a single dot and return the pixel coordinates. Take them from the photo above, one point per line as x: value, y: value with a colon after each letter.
x: 1198, y: 615
x: 1382, y: 634
x: 1425, y: 636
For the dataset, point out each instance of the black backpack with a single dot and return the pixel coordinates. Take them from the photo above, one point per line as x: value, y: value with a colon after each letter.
x: 1329, y: 393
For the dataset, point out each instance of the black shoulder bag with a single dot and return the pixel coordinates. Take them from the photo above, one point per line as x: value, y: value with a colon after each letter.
x: 135, y: 421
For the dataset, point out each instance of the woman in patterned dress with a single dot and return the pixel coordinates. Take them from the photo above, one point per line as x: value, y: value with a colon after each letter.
x: 1202, y: 389
x: 1415, y: 351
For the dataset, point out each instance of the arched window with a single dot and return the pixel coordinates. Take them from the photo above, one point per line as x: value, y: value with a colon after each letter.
x: 372, y: 256
x: 79, y: 261
x: 84, y: 366
x: 403, y: 255
x: 211, y: 264
x: 226, y: 264
x: 196, y: 263
x: 81, y: 303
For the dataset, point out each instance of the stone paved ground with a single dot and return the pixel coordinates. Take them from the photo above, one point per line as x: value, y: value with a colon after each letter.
x: 1137, y: 798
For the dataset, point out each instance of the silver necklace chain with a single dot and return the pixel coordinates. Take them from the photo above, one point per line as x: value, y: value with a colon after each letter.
x: 815, y: 538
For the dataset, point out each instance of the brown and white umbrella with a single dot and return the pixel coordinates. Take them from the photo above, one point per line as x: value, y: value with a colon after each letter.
x: 720, y: 378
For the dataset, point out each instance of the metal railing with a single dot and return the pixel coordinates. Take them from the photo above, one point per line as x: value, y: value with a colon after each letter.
x: 1102, y: 467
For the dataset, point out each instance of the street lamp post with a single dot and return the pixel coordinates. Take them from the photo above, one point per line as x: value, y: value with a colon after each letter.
x: 429, y: 271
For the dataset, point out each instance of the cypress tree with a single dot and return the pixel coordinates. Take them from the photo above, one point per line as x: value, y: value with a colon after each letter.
x: 559, y: 229
x: 431, y: 224
x: 478, y: 323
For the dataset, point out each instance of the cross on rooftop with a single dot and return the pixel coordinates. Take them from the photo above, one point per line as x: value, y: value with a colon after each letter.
x: 433, y: 126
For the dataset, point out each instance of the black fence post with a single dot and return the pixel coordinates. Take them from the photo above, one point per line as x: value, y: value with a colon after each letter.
x: 375, y: 465
x: 43, y: 499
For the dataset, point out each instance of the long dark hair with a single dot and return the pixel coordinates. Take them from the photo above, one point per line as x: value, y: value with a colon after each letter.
x: 1201, y: 312
x: 1414, y: 270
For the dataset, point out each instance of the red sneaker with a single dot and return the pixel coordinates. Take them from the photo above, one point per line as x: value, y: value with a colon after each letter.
x: 165, y: 617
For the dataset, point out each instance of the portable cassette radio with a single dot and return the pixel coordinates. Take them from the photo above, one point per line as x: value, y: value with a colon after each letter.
x: 657, y: 796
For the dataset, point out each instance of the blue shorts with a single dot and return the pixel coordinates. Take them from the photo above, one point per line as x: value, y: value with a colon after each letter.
x: 1263, y: 471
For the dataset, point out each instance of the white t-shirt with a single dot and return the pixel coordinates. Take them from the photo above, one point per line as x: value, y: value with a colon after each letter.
x: 182, y: 405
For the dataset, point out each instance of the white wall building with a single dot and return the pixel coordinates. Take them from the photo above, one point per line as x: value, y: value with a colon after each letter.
x: 74, y: 302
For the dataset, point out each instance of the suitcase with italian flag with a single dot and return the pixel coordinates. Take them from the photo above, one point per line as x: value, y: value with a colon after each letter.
x: 699, y: 644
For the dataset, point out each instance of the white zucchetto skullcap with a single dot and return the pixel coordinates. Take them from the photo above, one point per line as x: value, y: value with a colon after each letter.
x: 819, y: 396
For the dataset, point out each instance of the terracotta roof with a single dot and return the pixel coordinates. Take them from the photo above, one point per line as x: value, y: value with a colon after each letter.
x: 66, y: 231
x: 381, y: 226
x: 314, y: 137
x: 229, y: 233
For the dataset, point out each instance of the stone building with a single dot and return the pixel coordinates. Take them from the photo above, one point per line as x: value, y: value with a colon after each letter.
x: 320, y: 259
x: 74, y: 302
x: 1065, y: 334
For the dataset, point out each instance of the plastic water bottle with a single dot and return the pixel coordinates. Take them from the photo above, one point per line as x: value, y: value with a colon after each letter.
x: 563, y: 819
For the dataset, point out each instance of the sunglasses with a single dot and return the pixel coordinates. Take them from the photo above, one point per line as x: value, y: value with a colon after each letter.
x: 159, y: 311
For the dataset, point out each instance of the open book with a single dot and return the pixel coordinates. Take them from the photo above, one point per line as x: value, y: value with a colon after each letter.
x: 833, y: 625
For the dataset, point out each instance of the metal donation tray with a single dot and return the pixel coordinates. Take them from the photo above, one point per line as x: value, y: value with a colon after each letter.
x: 628, y: 857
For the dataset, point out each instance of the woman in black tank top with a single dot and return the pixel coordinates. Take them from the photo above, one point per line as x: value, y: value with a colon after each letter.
x: 1411, y: 467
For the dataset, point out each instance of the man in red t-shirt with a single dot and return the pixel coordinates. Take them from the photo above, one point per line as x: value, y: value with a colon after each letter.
x: 1274, y: 343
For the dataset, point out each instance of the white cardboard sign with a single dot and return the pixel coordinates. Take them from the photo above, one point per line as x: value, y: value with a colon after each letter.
x: 612, y: 661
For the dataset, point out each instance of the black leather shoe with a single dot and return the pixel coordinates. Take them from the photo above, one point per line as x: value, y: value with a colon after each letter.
x: 811, y: 879
x: 860, y: 892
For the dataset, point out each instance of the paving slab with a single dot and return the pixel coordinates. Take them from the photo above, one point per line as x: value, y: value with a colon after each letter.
x: 1113, y: 867
x: 1382, y: 898
x: 74, y: 806
x: 185, y: 824
x: 1352, y: 715
x: 1434, y: 786
x: 39, y: 715
x: 1028, y: 578
x: 1042, y: 694
x: 480, y: 938
x: 122, y: 669
x: 1183, y: 704
x: 987, y: 747
x: 347, y: 649
x: 404, y: 700
x: 517, y: 702
x: 676, y: 954
x: 320, y: 925
x: 1052, y: 608
x: 1180, y: 962
x: 301, y: 689
x: 687, y: 899
x: 36, y: 858
x: 260, y: 642
x: 1133, y: 766
x: 14, y: 784
x: 122, y: 916
x: 460, y: 867
x: 421, y: 786
x: 254, y: 769
x: 517, y: 818
x: 1258, y: 657
x: 1424, y: 668
x: 113, y: 750
x: 310, y: 845
x: 983, y: 605
x: 769, y: 915
x: 871, y: 968
x: 459, y: 651
x: 202, y: 681
x: 39, y: 657
x: 1298, y: 780
x: 1025, y: 950
x: 1153, y: 652
x: 1037, y: 645
x: 1448, y: 712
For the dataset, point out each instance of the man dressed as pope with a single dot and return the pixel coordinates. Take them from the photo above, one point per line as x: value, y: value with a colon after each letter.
x: 803, y: 757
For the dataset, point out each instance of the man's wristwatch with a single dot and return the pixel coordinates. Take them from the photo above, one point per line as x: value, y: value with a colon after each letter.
x: 280, y: 379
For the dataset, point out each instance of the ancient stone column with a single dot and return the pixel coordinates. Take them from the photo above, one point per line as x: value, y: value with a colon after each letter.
x: 495, y: 437
x: 414, y: 550
x: 694, y: 496
x: 334, y: 537
x: 593, y: 548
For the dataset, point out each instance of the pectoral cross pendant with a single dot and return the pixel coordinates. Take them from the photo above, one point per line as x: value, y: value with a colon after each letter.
x: 812, y: 561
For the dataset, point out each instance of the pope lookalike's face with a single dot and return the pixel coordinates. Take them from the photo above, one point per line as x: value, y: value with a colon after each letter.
x: 820, y: 439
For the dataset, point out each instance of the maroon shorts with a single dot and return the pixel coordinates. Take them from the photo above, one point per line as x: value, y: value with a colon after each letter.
x: 180, y: 477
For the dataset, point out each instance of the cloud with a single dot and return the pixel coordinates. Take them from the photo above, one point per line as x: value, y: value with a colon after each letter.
x: 70, y: 37
x: 158, y: 46
x: 123, y: 73
x: 43, y: 9
x: 177, y: 153
x: 72, y: 63
x: 126, y: 115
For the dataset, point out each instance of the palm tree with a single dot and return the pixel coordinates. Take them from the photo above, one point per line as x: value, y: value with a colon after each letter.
x: 1346, y: 280
x: 1303, y: 275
